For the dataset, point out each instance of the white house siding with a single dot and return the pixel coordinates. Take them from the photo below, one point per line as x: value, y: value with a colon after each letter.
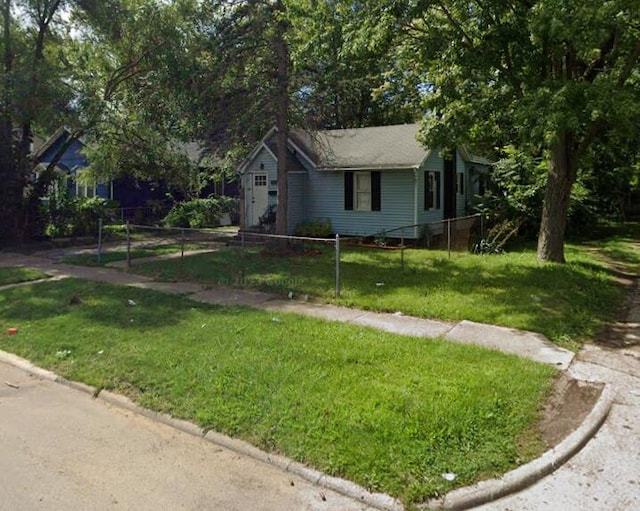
x: 326, y: 200
x: 434, y: 163
x: 297, y: 196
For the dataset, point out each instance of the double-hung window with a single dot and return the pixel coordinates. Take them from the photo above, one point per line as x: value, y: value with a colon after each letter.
x: 362, y: 191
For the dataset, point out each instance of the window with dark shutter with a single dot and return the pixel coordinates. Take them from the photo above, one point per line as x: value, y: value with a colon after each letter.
x: 362, y: 191
x: 431, y: 190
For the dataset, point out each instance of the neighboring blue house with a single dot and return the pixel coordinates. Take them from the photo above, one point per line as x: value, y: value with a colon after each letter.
x: 364, y: 180
x: 70, y: 164
x: 129, y: 192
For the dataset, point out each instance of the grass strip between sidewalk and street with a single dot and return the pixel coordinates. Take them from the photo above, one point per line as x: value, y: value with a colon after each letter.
x: 388, y: 412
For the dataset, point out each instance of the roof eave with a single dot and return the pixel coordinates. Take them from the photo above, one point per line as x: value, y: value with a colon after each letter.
x: 367, y: 167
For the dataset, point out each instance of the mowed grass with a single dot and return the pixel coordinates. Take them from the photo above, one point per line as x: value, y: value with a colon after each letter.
x: 120, y: 254
x: 388, y: 412
x: 17, y: 275
x: 566, y: 302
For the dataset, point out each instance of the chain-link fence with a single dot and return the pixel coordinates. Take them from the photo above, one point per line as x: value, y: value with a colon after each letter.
x: 453, y: 234
x: 292, y: 265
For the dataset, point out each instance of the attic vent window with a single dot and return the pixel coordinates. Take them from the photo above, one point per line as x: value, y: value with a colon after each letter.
x: 262, y: 166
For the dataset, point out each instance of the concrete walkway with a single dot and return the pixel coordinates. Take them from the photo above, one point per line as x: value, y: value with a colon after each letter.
x: 518, y: 342
x: 598, y: 471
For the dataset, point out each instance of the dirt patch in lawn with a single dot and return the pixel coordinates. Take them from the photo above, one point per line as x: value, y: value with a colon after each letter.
x: 569, y: 404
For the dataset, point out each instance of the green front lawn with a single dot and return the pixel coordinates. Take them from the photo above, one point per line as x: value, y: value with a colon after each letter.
x: 120, y: 254
x: 391, y: 413
x: 567, y: 303
x: 17, y: 275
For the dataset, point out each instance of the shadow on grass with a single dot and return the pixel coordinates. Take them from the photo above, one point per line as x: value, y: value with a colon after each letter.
x: 568, y: 303
x: 565, y: 302
x: 97, y: 302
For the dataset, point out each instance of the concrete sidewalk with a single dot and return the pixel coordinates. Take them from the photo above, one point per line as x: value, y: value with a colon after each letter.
x: 518, y: 342
x: 620, y: 371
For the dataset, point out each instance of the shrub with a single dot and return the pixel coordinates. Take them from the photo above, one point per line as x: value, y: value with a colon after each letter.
x: 314, y: 228
x: 76, y: 216
x: 200, y: 213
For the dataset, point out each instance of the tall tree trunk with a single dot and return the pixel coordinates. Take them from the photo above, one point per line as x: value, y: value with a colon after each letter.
x: 11, y: 191
x: 282, y: 112
x: 560, y: 179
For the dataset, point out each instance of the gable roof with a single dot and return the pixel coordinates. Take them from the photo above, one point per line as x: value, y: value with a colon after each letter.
x: 374, y: 148
x: 377, y: 147
x: 61, y: 132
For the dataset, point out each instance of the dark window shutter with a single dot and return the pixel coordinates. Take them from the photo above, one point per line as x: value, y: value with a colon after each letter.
x: 376, y: 195
x: 348, y: 191
x: 437, y: 189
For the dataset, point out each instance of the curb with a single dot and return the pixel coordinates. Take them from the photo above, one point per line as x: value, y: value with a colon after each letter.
x: 349, y: 489
x: 518, y: 479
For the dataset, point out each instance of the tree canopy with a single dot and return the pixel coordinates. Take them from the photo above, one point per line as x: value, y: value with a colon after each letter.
x: 550, y: 77
x: 556, y: 81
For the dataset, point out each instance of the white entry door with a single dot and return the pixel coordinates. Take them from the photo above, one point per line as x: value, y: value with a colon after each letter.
x: 259, y: 197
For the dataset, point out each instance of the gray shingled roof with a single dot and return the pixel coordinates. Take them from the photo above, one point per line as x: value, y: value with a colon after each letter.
x: 383, y: 147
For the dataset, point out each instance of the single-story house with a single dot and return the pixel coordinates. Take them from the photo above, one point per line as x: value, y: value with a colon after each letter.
x: 364, y: 181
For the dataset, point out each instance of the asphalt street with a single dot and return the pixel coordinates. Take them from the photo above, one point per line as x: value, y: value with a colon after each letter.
x: 62, y: 450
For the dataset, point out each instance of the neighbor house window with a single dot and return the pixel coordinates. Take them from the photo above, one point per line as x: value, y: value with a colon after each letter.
x: 362, y: 191
x: 432, y: 190
x: 85, y: 191
x: 460, y: 184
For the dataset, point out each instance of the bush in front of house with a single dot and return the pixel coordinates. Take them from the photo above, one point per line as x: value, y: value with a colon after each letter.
x: 201, y: 213
x: 314, y: 228
x: 75, y: 217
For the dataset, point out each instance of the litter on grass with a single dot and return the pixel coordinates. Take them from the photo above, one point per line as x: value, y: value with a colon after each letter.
x: 449, y: 476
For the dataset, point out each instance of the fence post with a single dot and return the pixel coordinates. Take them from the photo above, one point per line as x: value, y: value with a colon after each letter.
x: 99, y: 240
x: 402, y: 250
x: 337, y: 289
x: 181, y: 243
x: 449, y: 236
x: 128, y: 245
x: 240, y: 279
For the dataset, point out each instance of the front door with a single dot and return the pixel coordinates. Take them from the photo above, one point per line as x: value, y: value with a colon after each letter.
x: 259, y: 197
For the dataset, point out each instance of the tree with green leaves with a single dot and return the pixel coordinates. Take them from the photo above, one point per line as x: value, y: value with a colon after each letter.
x: 285, y: 63
x: 32, y: 95
x: 549, y: 77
